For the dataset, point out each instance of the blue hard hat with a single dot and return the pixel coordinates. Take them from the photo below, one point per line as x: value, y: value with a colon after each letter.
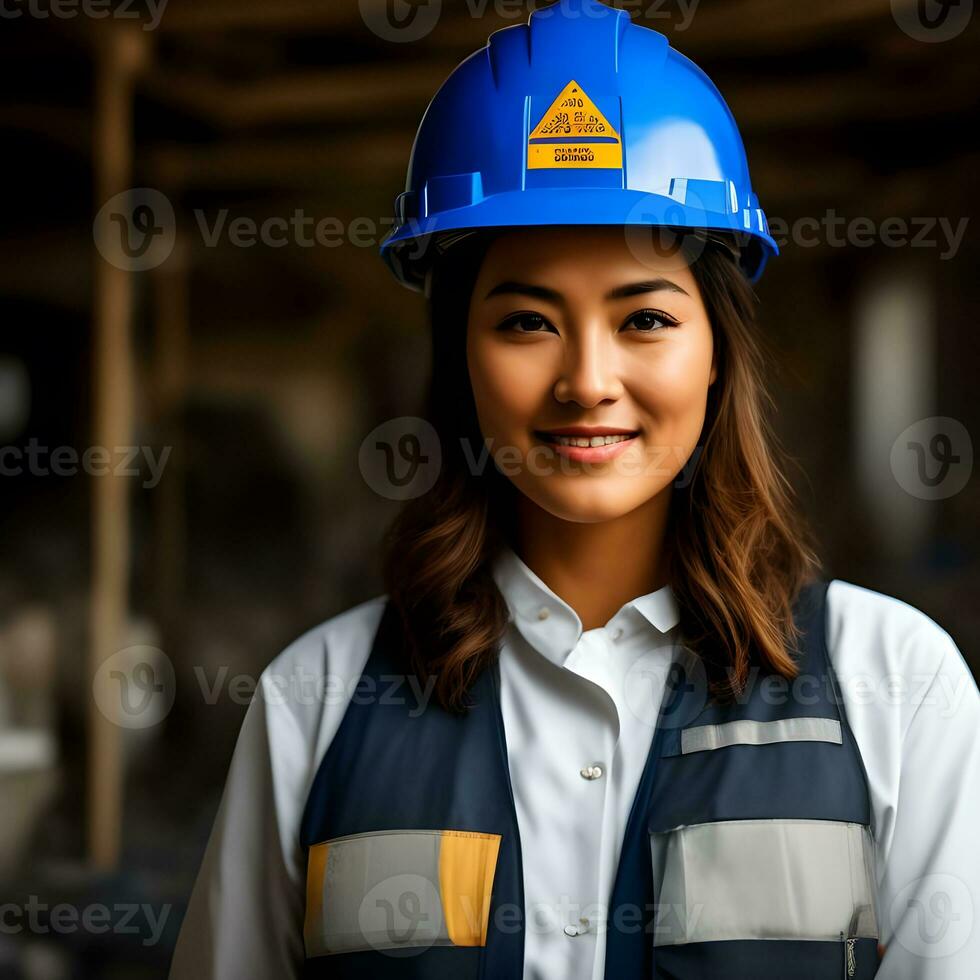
x: 578, y: 117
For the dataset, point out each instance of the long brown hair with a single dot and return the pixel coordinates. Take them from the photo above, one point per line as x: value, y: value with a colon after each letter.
x: 738, y: 550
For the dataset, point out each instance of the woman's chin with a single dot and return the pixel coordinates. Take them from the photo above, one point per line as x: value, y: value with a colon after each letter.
x: 590, y: 500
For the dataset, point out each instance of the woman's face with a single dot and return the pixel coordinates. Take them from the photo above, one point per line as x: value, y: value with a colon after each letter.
x: 571, y: 328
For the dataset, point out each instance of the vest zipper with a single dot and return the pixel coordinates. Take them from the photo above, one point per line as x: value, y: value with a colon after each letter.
x: 850, y: 960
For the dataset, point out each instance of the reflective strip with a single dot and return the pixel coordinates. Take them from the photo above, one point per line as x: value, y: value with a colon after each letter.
x: 399, y: 888
x: 743, y: 732
x: 763, y: 879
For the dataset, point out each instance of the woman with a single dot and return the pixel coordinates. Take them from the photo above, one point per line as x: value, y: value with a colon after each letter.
x: 606, y: 720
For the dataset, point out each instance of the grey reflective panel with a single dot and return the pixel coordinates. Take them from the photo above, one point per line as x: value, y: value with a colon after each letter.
x: 763, y: 879
x: 380, y: 891
x: 743, y: 732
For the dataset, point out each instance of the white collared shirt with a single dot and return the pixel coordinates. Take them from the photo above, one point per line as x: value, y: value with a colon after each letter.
x: 579, y: 709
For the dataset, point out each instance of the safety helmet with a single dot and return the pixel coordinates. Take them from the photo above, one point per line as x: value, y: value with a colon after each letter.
x: 579, y: 117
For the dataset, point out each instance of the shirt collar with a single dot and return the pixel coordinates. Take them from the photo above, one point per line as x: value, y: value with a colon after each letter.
x: 551, y: 625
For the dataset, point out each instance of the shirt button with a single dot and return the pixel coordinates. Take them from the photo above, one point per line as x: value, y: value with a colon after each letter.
x: 591, y: 772
x: 544, y: 612
x: 577, y: 930
x: 617, y: 633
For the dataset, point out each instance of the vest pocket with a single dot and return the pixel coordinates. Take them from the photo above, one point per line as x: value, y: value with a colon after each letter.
x: 763, y: 879
x: 395, y: 889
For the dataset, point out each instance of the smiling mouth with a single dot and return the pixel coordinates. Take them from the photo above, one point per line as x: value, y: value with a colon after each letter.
x: 585, y: 442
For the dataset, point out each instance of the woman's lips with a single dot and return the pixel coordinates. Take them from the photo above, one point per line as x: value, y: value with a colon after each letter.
x: 590, y: 454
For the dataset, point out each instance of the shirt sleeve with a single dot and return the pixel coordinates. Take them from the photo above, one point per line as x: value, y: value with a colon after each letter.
x: 246, y: 911
x: 245, y: 914
x: 929, y: 894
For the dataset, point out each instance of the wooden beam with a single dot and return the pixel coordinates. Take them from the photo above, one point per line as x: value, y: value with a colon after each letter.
x: 853, y: 97
x: 765, y: 23
x: 366, y: 157
x: 119, y: 58
x: 185, y: 16
x: 351, y: 93
x: 470, y: 22
x: 168, y: 382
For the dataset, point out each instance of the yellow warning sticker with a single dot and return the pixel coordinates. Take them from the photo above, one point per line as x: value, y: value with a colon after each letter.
x: 574, y: 134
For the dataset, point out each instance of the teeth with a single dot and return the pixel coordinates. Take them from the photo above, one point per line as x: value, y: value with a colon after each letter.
x: 585, y: 442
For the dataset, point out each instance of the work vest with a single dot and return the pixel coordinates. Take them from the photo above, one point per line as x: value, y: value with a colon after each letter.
x: 748, y: 853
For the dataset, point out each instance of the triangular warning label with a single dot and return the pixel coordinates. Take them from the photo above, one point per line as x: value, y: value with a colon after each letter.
x: 573, y: 135
x: 575, y: 115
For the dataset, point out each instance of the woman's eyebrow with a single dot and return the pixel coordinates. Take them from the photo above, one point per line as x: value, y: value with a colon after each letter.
x: 650, y: 286
x: 553, y: 296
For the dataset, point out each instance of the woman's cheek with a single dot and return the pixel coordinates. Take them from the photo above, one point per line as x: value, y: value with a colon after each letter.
x: 509, y: 389
x: 673, y: 396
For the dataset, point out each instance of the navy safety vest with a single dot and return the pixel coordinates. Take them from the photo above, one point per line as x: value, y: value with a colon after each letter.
x: 748, y: 852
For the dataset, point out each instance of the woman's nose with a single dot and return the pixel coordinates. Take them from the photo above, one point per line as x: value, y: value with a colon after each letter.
x: 590, y: 372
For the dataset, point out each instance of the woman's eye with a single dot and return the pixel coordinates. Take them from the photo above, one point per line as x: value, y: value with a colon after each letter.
x: 528, y: 323
x: 649, y: 321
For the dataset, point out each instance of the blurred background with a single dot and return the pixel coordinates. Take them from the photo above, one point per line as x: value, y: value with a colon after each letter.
x: 180, y: 491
